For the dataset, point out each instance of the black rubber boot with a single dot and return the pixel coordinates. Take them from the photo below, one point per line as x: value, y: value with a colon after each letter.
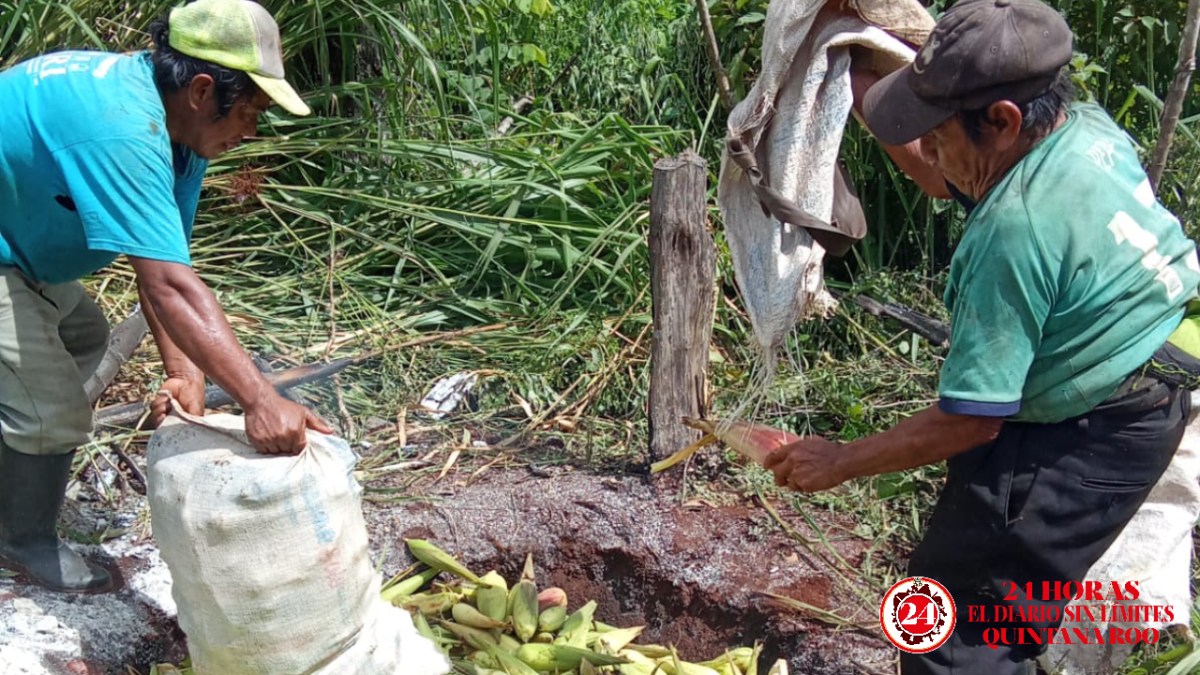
x: 32, y: 490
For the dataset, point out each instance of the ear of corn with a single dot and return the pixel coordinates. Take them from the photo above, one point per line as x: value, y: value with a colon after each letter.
x: 753, y: 441
x: 492, y: 596
x: 438, y: 559
x: 552, y: 619
x: 408, y: 585
x: 562, y: 657
x: 551, y: 596
x: 429, y: 604
x: 508, y: 643
x: 527, y: 632
x: 513, y: 665
x: 475, y: 637
x: 469, y: 616
x: 524, y: 608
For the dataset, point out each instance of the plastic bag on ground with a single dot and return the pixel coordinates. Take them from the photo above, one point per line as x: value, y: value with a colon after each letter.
x: 269, y: 557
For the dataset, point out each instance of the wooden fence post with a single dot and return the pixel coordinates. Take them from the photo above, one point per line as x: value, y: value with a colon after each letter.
x: 682, y: 262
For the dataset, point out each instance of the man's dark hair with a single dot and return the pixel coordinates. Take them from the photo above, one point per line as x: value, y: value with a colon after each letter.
x: 174, y: 70
x: 1037, y: 116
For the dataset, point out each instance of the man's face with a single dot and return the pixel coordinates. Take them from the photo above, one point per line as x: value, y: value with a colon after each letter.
x: 959, y: 159
x: 213, y: 137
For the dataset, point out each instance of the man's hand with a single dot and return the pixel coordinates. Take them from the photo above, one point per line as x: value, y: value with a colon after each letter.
x: 192, y: 333
x: 808, y: 465
x: 187, y: 389
x: 277, y: 426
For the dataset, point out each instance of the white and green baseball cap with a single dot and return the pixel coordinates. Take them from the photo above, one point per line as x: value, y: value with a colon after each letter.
x: 237, y: 34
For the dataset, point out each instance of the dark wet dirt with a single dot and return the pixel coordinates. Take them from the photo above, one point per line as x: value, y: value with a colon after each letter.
x: 692, y: 574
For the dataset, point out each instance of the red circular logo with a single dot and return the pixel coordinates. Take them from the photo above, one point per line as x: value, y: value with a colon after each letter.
x: 917, y: 615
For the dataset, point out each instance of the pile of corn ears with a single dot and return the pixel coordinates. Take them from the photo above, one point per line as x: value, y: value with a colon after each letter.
x: 488, y: 627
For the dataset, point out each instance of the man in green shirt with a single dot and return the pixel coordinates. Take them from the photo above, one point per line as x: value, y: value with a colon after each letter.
x: 1061, y: 401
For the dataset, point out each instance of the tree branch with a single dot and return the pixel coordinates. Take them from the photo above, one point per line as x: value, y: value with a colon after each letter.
x: 1178, y: 91
x: 714, y: 56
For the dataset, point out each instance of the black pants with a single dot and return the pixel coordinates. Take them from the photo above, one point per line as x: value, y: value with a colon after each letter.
x: 1040, y: 504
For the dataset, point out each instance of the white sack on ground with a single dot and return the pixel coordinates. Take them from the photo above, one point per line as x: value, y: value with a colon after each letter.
x: 1155, y: 550
x: 269, y: 558
x: 792, y: 120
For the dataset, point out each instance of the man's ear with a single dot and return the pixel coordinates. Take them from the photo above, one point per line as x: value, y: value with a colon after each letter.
x: 1004, y: 124
x: 200, y: 92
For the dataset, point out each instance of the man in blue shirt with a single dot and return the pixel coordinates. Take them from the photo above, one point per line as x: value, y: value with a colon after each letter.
x: 102, y: 155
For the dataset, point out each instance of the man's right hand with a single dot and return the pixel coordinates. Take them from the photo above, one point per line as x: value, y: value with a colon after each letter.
x: 277, y: 426
x: 188, y: 322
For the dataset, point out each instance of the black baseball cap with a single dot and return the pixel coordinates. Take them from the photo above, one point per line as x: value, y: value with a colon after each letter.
x: 980, y: 52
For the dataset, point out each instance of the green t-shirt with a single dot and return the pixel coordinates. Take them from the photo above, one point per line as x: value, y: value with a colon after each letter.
x: 1069, y: 276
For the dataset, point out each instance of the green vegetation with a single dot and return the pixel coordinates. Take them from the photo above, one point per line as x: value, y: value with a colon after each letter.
x: 425, y: 196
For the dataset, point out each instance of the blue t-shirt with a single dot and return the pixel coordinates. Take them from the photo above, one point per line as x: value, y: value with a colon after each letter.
x: 87, y: 169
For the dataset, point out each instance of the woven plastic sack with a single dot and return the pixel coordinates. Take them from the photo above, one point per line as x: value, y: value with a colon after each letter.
x: 269, y: 560
x: 792, y: 122
x: 1155, y: 550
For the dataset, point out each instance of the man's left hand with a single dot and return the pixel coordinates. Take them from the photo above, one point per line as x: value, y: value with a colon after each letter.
x: 188, y: 391
x: 808, y: 465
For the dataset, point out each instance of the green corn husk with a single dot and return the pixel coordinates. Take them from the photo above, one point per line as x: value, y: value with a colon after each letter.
x: 577, y: 626
x: 523, y: 606
x: 559, y: 658
x: 408, y: 585
x: 438, y: 559
x: 491, y: 597
x: 552, y: 619
x: 474, y: 637
x: 469, y: 616
x: 614, y: 641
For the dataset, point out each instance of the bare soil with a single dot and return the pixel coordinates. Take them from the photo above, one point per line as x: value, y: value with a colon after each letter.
x: 693, y: 575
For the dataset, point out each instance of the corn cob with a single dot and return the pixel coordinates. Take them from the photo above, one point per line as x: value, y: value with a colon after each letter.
x: 523, y: 608
x: 512, y: 665
x: 438, y: 559
x: 508, y: 643
x: 429, y: 603
x: 469, y: 616
x: 753, y: 441
x: 408, y: 585
x: 550, y: 597
x: 552, y: 619
x: 479, y: 639
x: 491, y: 597
x: 558, y: 658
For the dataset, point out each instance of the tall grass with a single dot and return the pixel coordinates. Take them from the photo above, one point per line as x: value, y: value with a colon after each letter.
x: 401, y: 207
